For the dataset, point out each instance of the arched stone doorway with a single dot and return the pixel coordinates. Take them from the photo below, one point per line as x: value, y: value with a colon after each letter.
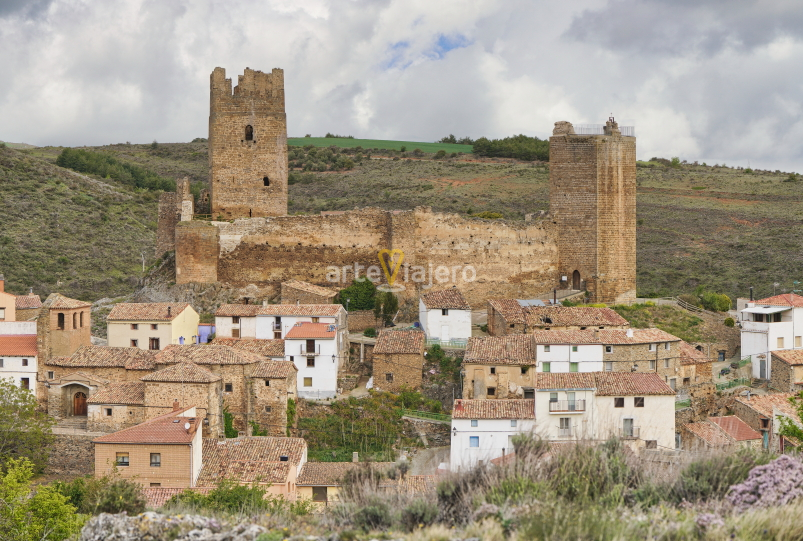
x: 576, y: 283
x: 79, y: 404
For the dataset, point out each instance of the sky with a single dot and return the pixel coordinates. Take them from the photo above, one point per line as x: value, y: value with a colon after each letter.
x: 716, y: 81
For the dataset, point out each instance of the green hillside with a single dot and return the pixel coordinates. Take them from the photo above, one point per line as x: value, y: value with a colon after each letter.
x: 344, y: 142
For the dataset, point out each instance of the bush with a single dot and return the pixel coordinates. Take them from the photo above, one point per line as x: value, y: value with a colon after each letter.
x: 712, y: 476
x: 675, y: 163
x: 690, y: 299
x: 373, y: 515
x: 418, y: 513
x: 771, y: 485
x: 118, y: 496
x: 86, y: 161
x: 370, y: 332
x: 360, y: 295
x: 715, y: 301
x: 729, y: 322
x: 440, y: 155
x: 488, y: 215
x: 520, y: 147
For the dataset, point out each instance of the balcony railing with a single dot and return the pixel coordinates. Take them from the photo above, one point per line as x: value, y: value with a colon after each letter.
x: 314, y: 351
x: 457, y: 343
x: 599, y: 129
x: 276, y: 326
x: 567, y: 405
x: 564, y: 432
x: 631, y: 433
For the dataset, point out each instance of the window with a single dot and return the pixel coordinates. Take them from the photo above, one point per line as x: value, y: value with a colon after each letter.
x: 316, y: 320
x: 319, y: 494
x: 156, y: 460
x: 24, y: 362
x: 652, y: 347
x: 780, y: 341
x: 798, y: 341
x: 758, y: 317
x: 1, y: 363
x: 574, y: 367
x: 122, y: 459
x: 553, y: 397
x: 156, y: 485
x: 627, y: 428
x: 60, y: 320
x: 81, y: 319
x: 619, y: 402
x: 524, y: 370
x: 608, y: 366
x: 134, y: 343
x: 154, y: 326
x: 227, y: 387
x: 652, y: 365
x: 474, y: 422
x: 108, y: 412
x: 389, y: 378
x: 235, y: 320
x: 153, y: 344
x: 765, y: 423
x: 444, y: 311
x: 672, y: 384
x: 546, y: 349
x: 574, y: 349
x: 2, y: 313
x: 776, y: 317
x: 493, y: 370
x: 513, y: 422
x: 666, y: 345
x: 235, y: 333
x: 25, y: 383
x: 267, y: 409
x: 565, y: 426
x: 491, y: 391
x: 249, y: 133
x: 134, y: 326
x: 638, y: 401
x: 75, y: 321
x: 310, y: 346
x: 608, y: 349
x: 583, y: 328
x: 474, y: 441
x: 310, y: 362
x: 546, y: 367
x: 267, y: 383
x: 307, y: 382
x: 666, y: 363
x: 277, y: 335
x: 51, y: 374
x: 529, y: 393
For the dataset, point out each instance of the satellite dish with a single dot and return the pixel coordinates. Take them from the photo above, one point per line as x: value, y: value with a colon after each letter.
x: 186, y: 426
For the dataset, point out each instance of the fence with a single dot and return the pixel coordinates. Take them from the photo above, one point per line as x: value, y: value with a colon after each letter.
x: 732, y: 383
x: 599, y: 129
x: 427, y: 415
x: 680, y: 404
x: 454, y: 344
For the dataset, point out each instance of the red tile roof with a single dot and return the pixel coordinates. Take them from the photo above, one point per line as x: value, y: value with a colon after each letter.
x: 565, y: 316
x: 127, y: 393
x: 691, y: 355
x: 298, y: 310
x: 182, y: 373
x: 493, y: 409
x: 311, y: 288
x: 18, y: 345
x: 545, y: 381
x: 273, y: 369
x: 165, y: 429
x: 767, y: 404
x: 250, y: 459
x: 709, y: 433
x: 109, y: 357
x: 604, y: 336
x: 391, y: 342
x: 792, y: 357
x: 331, y: 474
x: 450, y: 299
x: 57, y: 301
x: 206, y: 354
x: 787, y: 299
x: 516, y: 349
x: 306, y: 330
x: 156, y: 497
x: 510, y: 309
x: 606, y: 383
x: 26, y: 302
x: 147, y: 311
x: 734, y: 427
x: 266, y: 348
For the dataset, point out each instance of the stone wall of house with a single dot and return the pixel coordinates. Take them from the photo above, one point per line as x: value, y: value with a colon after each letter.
x: 507, y: 381
x: 666, y: 362
x: 749, y: 415
x: 206, y: 397
x: 269, y: 403
x: 123, y: 416
x: 406, y: 370
x: 72, y: 455
x: 359, y: 320
x: 782, y: 378
x: 291, y: 295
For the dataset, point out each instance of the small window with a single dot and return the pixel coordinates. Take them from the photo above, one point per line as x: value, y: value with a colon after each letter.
x: 776, y: 317
x: 235, y: 320
x: 307, y: 382
x: 493, y: 370
x: 81, y: 319
x: 60, y: 323
x: 156, y: 485
x: 267, y: 409
x: 316, y: 320
x: 310, y: 362
x: 153, y: 344
x: 529, y: 393
x: 780, y: 342
x: 474, y: 422
x: 574, y: 349
x: 666, y: 363
x: 249, y: 133
x: 265, y: 181
x: 583, y: 328
x: 134, y: 343
x: 227, y: 387
x: 25, y: 383
x: 444, y: 311
x: 512, y: 325
x: 765, y: 423
x: 2, y: 314
x: 267, y: 383
x: 574, y: 367
x: 154, y: 326
x: 1, y: 363
x: 553, y: 397
x: 546, y: 349
x: 524, y: 370
x: 608, y: 349
x: 638, y: 401
x: 51, y: 374
x: 319, y: 494
x: 156, y: 460
x: 513, y: 422
x: 473, y: 441
x: 652, y: 347
x: 666, y: 346
x: 277, y: 335
x: 652, y: 365
x: 75, y: 321
x: 389, y: 378
x: 619, y: 402
x: 491, y: 391
x: 134, y: 326
x: 108, y: 412
x: 24, y: 362
x: 122, y: 459
x: 608, y: 366
x: 546, y: 367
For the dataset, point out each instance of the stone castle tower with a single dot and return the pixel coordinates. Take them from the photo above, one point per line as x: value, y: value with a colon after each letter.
x: 592, y: 196
x: 248, y: 145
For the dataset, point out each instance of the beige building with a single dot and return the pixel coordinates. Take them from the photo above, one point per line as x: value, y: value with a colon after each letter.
x: 8, y: 303
x: 787, y: 370
x: 151, y: 326
x: 63, y: 326
x: 116, y: 406
x: 399, y: 360
x: 165, y: 451
x: 511, y: 316
x: 497, y: 367
x: 717, y: 432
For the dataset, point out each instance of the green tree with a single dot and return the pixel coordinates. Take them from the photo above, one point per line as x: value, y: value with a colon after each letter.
x: 24, y: 431
x: 361, y: 293
x: 386, y: 305
x: 40, y: 515
x: 791, y: 428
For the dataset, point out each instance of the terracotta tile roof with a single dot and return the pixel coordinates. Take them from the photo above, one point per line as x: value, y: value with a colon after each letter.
x: 787, y: 299
x: 250, y: 459
x: 311, y: 288
x: 563, y: 316
x: 306, y: 330
x: 396, y: 342
x: 604, y: 336
x: 18, y: 345
x: 450, y: 299
x: 273, y: 369
x: 510, y: 309
x: 128, y: 393
x: 251, y: 310
x: 510, y: 349
x: 411, y: 484
x: 734, y: 427
x: 157, y: 497
x: 109, y: 357
x: 709, y: 433
x: 606, y: 383
x: 331, y: 474
x: 266, y: 348
x: 509, y: 458
x: 26, y: 302
x: 57, y: 301
x: 691, y: 355
x: 493, y: 409
x: 165, y: 429
x: 765, y: 405
x: 147, y: 311
x: 791, y: 357
x: 206, y: 354
x: 182, y: 373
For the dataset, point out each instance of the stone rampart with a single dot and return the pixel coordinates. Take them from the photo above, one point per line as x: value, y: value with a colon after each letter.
x: 72, y: 454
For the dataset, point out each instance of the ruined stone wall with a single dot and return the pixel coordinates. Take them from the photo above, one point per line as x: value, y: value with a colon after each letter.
x: 782, y: 377
x: 359, y: 320
x: 405, y: 370
x: 173, y: 208
x: 197, y: 250
x: 268, y: 403
x: 72, y: 455
x: 248, y: 145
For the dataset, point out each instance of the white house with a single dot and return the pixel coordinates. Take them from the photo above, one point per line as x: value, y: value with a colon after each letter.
x: 313, y: 348
x: 483, y: 430
x: 568, y: 351
x: 445, y: 315
x: 768, y: 325
x: 273, y: 321
x: 18, y: 359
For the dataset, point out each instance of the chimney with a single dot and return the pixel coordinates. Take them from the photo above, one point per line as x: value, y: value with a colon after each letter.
x: 168, y: 311
x: 355, y: 456
x: 629, y: 333
x: 176, y: 405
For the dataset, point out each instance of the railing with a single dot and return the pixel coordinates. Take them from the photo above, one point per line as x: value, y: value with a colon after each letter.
x: 680, y: 404
x: 690, y: 307
x: 744, y: 362
x: 427, y: 415
x: 733, y: 383
x: 305, y: 351
x: 276, y: 326
x: 564, y: 432
x: 599, y: 129
x: 457, y: 343
x: 567, y: 405
x: 632, y: 433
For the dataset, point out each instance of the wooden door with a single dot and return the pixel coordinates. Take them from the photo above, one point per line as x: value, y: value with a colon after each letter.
x: 79, y: 404
x: 576, y: 280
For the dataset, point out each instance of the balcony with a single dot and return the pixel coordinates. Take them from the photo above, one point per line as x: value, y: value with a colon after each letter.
x: 631, y: 433
x: 567, y: 406
x: 276, y: 326
x: 564, y: 432
x: 756, y: 326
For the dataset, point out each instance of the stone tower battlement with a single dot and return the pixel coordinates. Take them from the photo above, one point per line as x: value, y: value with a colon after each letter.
x: 247, y: 145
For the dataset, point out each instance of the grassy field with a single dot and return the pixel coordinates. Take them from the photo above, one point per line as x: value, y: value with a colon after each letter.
x: 378, y: 144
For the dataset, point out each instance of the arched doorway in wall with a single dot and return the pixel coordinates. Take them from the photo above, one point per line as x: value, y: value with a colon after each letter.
x: 79, y: 404
x: 576, y: 280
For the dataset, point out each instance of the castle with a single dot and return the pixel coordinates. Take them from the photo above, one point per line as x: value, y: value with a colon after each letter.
x: 586, y: 242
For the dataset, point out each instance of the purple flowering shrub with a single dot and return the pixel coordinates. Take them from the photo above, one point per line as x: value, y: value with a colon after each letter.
x: 776, y: 483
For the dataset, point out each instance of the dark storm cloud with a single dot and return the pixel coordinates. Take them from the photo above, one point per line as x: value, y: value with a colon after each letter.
x: 24, y: 8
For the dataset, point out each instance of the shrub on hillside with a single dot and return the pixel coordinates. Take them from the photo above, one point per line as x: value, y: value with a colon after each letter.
x: 729, y: 322
x: 770, y: 485
x: 107, y: 494
x: 370, y: 332
x: 86, y: 161
x: 360, y: 295
x: 488, y: 215
x: 439, y: 155
x: 520, y: 147
x: 715, y: 301
x: 419, y: 512
x: 712, y: 476
x: 373, y: 515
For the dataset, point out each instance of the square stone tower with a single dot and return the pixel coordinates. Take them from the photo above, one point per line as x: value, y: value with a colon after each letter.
x: 592, y: 193
x: 248, y: 145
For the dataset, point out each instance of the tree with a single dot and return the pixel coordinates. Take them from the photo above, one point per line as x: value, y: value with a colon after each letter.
x: 361, y: 293
x: 385, y: 306
x: 24, y: 431
x: 43, y: 515
x: 791, y: 428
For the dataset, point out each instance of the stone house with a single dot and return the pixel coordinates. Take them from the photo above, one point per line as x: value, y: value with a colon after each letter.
x: 718, y: 432
x: 27, y: 306
x: 483, y: 430
x: 768, y: 325
x: 116, y: 406
x: 399, y: 360
x: 445, y: 315
x: 165, y: 451
x: 763, y: 414
x: 695, y: 367
x: 787, y: 370
x: 272, y: 383
x: 270, y: 349
x: 152, y: 325
x: 298, y: 292
x: 18, y: 357
x: 511, y: 316
x: 63, y: 326
x: 497, y: 367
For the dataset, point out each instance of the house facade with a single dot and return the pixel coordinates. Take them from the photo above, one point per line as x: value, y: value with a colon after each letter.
x: 787, y: 370
x: 314, y: 349
x: 398, y: 360
x: 445, y: 315
x: 151, y: 326
x: 499, y: 367
x: 763, y: 413
x: 512, y: 316
x: 273, y: 321
x: 718, y: 432
x: 768, y: 325
x: 18, y: 359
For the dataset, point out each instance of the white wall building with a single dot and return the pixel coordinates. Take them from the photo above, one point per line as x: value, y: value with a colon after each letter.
x: 18, y: 359
x: 483, y: 430
x: 273, y: 321
x: 445, y: 315
x: 768, y: 325
x: 313, y: 348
